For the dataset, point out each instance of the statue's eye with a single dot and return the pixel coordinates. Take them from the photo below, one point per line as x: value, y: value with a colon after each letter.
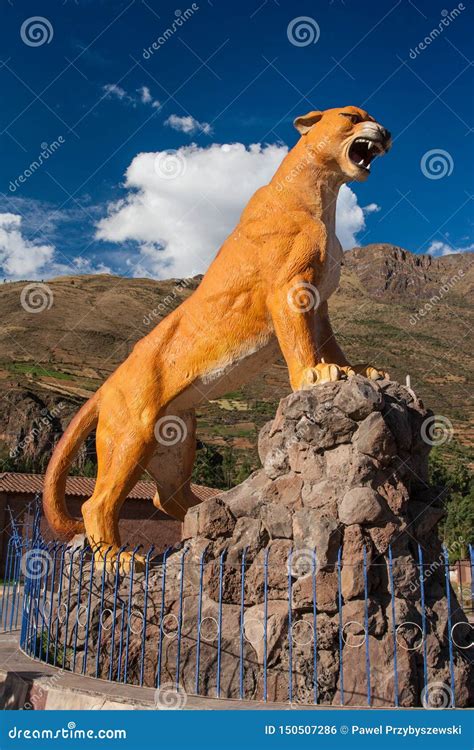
x: 353, y: 118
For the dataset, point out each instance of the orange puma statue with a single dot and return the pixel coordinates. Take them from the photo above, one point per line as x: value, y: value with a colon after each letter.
x: 265, y: 292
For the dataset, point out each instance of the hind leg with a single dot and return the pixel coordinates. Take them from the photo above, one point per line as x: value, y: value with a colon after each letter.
x: 172, y: 463
x: 121, y: 461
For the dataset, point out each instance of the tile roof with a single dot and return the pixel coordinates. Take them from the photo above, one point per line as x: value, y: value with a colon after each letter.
x: 30, y: 484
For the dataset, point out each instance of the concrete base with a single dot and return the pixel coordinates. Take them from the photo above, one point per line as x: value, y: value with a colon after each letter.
x: 27, y: 684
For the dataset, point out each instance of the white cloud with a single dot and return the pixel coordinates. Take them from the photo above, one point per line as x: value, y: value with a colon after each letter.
x: 188, y: 125
x: 21, y: 258
x: 350, y: 218
x: 438, y: 248
x: 180, y: 221
x: 145, y: 94
x: 371, y: 208
x: 112, y: 90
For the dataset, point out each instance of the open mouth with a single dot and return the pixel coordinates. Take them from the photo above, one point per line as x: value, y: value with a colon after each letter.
x: 363, y: 151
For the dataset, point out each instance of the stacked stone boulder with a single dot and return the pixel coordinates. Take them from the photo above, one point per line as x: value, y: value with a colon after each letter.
x: 301, y: 550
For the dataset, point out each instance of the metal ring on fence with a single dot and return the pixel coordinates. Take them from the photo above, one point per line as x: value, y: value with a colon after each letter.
x: 169, y: 634
x: 350, y: 645
x: 61, y: 618
x: 403, y: 645
x: 205, y: 638
x: 82, y: 607
x: 295, y: 638
x: 117, y: 614
x: 136, y: 613
x: 453, y: 638
x: 45, y: 608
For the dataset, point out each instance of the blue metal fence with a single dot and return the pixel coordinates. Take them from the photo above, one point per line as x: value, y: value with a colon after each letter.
x: 77, y: 615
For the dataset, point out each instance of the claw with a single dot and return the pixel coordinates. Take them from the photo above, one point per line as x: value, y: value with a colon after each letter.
x: 370, y: 372
x: 321, y: 373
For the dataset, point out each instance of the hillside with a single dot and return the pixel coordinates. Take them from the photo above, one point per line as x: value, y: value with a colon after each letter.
x: 407, y: 313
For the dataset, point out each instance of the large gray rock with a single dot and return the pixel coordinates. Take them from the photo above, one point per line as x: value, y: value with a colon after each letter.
x: 362, y: 505
x: 344, y: 478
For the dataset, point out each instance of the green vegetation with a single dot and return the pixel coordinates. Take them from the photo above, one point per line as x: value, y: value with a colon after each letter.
x: 36, y: 371
x: 450, y: 470
x: 222, y: 470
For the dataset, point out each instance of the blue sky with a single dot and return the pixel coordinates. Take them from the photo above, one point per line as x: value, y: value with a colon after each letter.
x: 80, y: 84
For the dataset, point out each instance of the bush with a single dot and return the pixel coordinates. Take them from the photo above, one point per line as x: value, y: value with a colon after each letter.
x: 452, y: 472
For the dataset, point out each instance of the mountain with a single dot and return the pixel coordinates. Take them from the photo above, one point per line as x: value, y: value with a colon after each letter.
x: 410, y: 314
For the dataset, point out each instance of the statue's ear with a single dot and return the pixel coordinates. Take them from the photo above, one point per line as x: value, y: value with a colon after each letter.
x: 305, y: 122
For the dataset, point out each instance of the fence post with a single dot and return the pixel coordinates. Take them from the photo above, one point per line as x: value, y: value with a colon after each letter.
x: 89, y: 600
x: 78, y: 611
x: 58, y: 603
x: 290, y: 629
x: 129, y: 613
x: 450, y: 639
x: 341, y: 640
x: 114, y: 611
x: 199, y: 617
x: 423, y: 622
x: 160, y: 634
x: 394, y: 626
x: 471, y: 558
x: 219, y: 626
x: 315, y: 628
x: 68, y: 606
x: 145, y: 611
x: 50, y: 618
x: 6, y: 585
x: 242, y: 624
x: 180, y: 616
x: 366, y: 626
x: 16, y: 587
x: 101, y: 608
x: 265, y: 621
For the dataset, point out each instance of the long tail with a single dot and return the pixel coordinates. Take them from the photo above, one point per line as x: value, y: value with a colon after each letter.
x: 54, y: 503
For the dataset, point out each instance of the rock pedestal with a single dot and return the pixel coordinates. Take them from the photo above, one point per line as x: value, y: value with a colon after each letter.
x: 306, y: 578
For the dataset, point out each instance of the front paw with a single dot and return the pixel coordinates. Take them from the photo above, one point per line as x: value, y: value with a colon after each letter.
x: 368, y: 372
x: 321, y: 373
